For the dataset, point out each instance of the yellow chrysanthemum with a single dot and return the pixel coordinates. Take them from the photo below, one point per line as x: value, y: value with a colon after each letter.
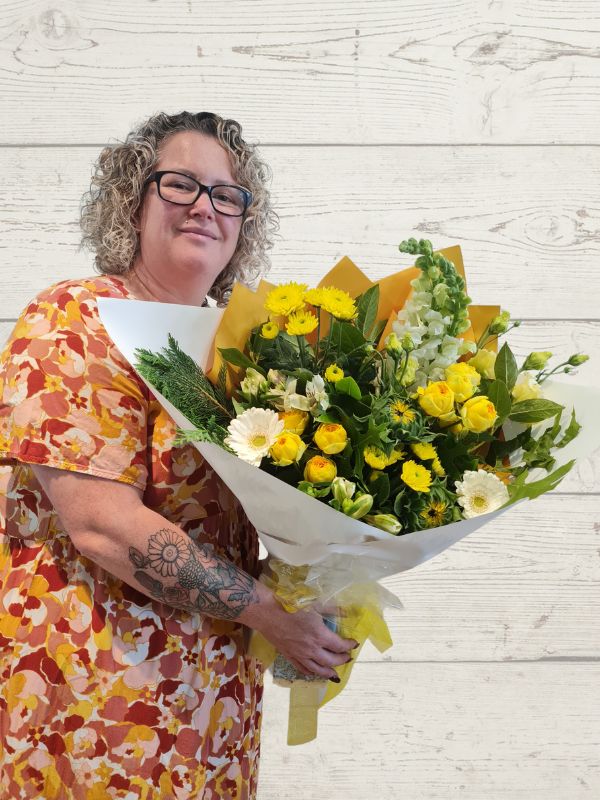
x: 301, y: 323
x: 338, y: 303
x: 416, y: 476
x: 286, y: 299
x: 375, y: 457
x: 333, y: 373
x: 436, y: 466
x: 424, y: 450
x: 433, y: 514
x: 314, y: 297
x: 401, y: 412
x: 269, y: 330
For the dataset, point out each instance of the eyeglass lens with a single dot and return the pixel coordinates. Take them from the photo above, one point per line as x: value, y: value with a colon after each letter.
x: 181, y: 189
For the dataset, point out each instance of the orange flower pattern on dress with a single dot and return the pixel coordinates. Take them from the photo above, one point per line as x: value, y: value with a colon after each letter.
x: 105, y: 693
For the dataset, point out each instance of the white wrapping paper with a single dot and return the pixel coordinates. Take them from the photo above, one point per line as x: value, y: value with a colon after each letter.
x: 292, y: 525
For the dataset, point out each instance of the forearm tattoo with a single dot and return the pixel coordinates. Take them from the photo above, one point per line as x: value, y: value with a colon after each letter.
x: 200, y: 580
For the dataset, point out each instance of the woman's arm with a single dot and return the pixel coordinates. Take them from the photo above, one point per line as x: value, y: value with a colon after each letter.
x: 109, y: 524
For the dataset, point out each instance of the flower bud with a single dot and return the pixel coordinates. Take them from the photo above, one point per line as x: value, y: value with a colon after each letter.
x: 331, y: 438
x: 294, y: 421
x: 577, y: 359
x: 386, y: 522
x: 358, y: 507
x: 500, y: 323
x: 537, y: 359
x: 287, y: 448
x: 392, y: 344
x: 407, y: 343
x: 319, y: 470
x: 342, y: 489
x: 484, y: 361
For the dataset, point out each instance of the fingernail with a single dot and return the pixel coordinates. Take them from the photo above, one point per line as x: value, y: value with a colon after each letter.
x: 336, y: 679
x: 348, y: 660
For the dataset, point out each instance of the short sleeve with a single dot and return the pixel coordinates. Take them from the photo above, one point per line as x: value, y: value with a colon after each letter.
x: 68, y: 397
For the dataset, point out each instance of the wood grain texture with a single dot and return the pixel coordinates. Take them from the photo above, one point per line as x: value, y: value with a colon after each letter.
x: 442, y: 731
x: 441, y: 71
x: 528, y: 219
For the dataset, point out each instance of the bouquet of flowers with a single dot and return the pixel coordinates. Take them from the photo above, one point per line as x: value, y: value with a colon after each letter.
x: 383, y: 414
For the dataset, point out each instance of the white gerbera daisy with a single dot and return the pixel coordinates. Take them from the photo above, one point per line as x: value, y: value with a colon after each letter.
x: 253, y: 432
x: 480, y: 492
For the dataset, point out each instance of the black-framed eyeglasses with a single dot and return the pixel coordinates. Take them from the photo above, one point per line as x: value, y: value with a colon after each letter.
x: 181, y: 189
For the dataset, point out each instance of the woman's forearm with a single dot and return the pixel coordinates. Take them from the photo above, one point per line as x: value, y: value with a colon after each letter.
x: 109, y: 525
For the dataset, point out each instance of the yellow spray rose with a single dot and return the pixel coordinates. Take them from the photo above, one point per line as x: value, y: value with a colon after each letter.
x: 319, y: 469
x: 478, y: 414
x: 330, y: 438
x: 463, y: 380
x: 287, y: 448
x: 484, y: 362
x: 437, y: 400
x: 294, y: 421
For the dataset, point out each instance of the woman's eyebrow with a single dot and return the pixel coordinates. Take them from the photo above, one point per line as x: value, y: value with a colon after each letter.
x: 195, y: 175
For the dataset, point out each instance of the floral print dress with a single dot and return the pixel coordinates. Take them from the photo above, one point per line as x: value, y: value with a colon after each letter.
x: 105, y: 693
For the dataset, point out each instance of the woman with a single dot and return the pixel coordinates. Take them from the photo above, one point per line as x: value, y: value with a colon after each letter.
x: 128, y: 569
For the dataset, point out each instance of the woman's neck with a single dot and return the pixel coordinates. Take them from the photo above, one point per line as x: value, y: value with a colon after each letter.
x: 145, y: 286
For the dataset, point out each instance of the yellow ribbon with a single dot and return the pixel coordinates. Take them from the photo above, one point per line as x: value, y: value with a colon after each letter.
x: 361, y: 619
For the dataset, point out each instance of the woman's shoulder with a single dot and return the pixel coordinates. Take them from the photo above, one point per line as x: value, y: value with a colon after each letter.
x: 81, y: 290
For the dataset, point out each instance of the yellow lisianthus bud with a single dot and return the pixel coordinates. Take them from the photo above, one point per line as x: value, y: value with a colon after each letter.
x: 392, y: 344
x: 577, y: 359
x: 287, y: 448
x: 478, y: 414
x: 437, y: 400
x: 386, y: 522
x: 500, y: 323
x: 463, y: 379
x: 319, y: 470
x: 333, y: 373
x: 269, y: 330
x: 416, y: 476
x: 331, y: 438
x: 484, y: 361
x: 359, y: 506
x: 537, y: 360
x: 294, y: 421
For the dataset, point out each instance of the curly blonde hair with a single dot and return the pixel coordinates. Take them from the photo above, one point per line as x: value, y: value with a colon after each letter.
x: 117, y: 189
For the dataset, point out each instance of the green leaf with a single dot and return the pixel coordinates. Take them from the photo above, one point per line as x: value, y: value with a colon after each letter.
x: 346, y: 337
x: 498, y: 393
x: 520, y: 490
x: 380, y: 489
x: 506, y: 369
x: 234, y: 356
x: 367, y: 306
x: 348, y: 386
x: 534, y: 410
x: 377, y: 330
x: 571, y: 432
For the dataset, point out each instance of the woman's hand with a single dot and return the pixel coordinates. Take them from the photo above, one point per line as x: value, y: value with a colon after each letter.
x: 303, y: 638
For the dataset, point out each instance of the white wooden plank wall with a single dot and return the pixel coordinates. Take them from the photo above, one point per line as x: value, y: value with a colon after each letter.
x: 464, y: 121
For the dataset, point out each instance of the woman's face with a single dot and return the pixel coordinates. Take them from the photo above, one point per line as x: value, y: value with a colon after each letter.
x: 171, y: 244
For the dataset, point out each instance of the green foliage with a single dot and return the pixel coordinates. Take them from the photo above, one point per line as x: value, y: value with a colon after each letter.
x: 520, y: 490
x: 498, y: 393
x: 238, y: 359
x: 535, y: 410
x: 367, y: 305
x: 506, y: 369
x: 178, y: 378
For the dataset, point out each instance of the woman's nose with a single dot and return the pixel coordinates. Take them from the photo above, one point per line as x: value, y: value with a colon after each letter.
x: 203, y: 203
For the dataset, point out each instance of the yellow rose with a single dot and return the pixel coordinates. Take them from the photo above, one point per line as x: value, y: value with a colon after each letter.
x: 319, y: 470
x: 478, y: 414
x: 294, y: 421
x: 463, y: 380
x: 437, y: 400
x: 330, y: 438
x: 287, y: 448
x: 484, y: 362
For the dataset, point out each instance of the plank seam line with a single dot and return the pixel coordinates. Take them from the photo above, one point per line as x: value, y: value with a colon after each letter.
x: 398, y: 145
x: 520, y: 661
